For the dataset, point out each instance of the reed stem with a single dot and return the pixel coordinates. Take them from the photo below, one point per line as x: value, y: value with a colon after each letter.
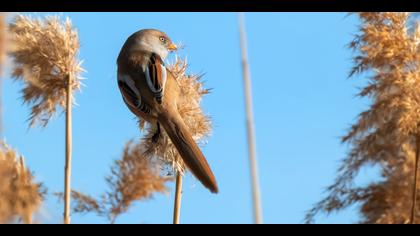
x: 178, y: 198
x: 250, y: 123
x: 67, y: 168
x: 414, y: 197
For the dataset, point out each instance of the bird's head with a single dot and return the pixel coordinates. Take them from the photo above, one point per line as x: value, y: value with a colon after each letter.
x: 152, y: 40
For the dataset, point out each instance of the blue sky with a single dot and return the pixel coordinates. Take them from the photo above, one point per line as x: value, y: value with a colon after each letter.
x: 303, y: 103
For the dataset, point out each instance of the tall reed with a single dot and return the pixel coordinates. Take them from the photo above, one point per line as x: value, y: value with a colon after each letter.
x: 45, y: 59
x: 178, y: 199
x: 387, y: 134
x: 256, y: 193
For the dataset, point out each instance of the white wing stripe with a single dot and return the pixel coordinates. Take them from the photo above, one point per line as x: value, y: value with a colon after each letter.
x: 126, y: 79
x: 149, y: 81
x: 130, y: 82
x: 163, y: 78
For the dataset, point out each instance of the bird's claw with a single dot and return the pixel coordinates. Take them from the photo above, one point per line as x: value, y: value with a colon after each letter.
x: 156, y: 136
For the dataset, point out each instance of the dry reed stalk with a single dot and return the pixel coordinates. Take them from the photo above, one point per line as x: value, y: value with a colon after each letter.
x: 178, y: 198
x: 415, y: 182
x: 45, y: 58
x: 256, y: 193
x: 68, y: 155
x: 20, y: 196
x: 386, y: 134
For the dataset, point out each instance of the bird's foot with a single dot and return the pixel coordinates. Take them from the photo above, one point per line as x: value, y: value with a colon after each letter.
x: 156, y: 136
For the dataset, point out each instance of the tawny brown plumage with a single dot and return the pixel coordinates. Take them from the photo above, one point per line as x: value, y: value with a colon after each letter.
x: 152, y: 93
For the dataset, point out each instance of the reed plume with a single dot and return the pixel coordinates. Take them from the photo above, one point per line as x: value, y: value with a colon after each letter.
x: 44, y: 53
x: 134, y: 177
x: 387, y: 135
x: 20, y: 195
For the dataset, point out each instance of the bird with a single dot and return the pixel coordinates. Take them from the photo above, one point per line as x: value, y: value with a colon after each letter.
x: 151, y: 92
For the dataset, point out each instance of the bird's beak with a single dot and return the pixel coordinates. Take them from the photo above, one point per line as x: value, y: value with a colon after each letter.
x: 172, y: 47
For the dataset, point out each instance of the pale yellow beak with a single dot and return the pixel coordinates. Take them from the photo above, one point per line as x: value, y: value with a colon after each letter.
x: 172, y: 47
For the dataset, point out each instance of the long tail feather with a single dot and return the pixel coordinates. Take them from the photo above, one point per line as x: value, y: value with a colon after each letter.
x: 188, y: 149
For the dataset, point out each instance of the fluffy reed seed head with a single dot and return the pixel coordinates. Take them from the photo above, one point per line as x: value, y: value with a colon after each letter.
x: 386, y: 134
x: 45, y: 53
x: 134, y: 177
x: 19, y: 194
x: 199, y: 124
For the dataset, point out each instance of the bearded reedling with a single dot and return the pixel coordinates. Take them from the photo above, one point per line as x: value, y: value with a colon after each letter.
x: 152, y: 92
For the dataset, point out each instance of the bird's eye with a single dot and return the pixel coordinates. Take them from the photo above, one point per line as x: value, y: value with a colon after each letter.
x: 162, y: 39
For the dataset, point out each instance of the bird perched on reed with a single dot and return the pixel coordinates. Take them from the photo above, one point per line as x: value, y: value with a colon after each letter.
x: 151, y: 92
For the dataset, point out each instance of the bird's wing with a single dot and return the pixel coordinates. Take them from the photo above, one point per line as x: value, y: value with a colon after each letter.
x: 128, y: 90
x: 156, y: 76
x: 131, y: 94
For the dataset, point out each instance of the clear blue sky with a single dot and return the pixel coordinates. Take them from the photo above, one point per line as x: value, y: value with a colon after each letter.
x: 303, y: 103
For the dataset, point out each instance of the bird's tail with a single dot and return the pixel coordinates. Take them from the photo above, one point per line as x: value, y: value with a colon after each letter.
x: 188, y: 149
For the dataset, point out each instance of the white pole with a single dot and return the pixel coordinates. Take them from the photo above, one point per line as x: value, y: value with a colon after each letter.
x: 250, y: 123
